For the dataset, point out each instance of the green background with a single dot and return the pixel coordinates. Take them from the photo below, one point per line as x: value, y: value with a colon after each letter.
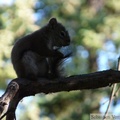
x: 94, y: 27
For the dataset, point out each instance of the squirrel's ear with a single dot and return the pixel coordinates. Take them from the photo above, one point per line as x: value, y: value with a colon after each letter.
x: 52, y: 22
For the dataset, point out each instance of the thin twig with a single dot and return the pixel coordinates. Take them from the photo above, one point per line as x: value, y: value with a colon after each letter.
x: 113, y: 93
x: 116, y: 92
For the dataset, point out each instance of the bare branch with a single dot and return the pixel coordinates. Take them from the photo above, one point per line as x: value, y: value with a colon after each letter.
x: 8, y: 96
x: 77, y: 82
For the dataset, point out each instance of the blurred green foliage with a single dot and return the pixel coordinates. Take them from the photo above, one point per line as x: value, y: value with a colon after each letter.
x: 94, y: 27
x: 14, y: 23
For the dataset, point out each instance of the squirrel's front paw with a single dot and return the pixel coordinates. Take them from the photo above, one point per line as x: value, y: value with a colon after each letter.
x: 61, y: 55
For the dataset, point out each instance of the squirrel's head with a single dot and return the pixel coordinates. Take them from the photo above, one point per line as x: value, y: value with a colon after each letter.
x: 58, y: 33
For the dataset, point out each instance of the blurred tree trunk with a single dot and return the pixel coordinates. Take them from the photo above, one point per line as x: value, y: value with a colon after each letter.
x: 92, y: 60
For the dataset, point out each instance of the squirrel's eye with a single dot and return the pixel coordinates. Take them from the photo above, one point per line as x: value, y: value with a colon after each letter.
x: 62, y: 33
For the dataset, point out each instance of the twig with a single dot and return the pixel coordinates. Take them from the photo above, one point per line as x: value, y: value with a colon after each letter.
x: 117, y: 90
x: 111, y: 98
x: 113, y: 93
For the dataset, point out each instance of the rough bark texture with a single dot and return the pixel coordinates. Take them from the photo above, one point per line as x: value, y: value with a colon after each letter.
x: 20, y: 88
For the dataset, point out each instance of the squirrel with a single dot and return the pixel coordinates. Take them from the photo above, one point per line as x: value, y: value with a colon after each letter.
x: 56, y: 64
x: 34, y: 56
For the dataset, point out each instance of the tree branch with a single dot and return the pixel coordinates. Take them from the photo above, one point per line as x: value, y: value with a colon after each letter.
x: 24, y: 87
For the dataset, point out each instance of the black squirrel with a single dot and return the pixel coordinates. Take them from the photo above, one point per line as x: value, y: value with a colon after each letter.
x: 34, y: 55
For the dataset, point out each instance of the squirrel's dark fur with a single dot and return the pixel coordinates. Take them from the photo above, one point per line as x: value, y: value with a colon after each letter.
x: 34, y: 56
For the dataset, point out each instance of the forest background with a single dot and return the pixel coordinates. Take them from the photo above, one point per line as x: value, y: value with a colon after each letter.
x: 94, y: 27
